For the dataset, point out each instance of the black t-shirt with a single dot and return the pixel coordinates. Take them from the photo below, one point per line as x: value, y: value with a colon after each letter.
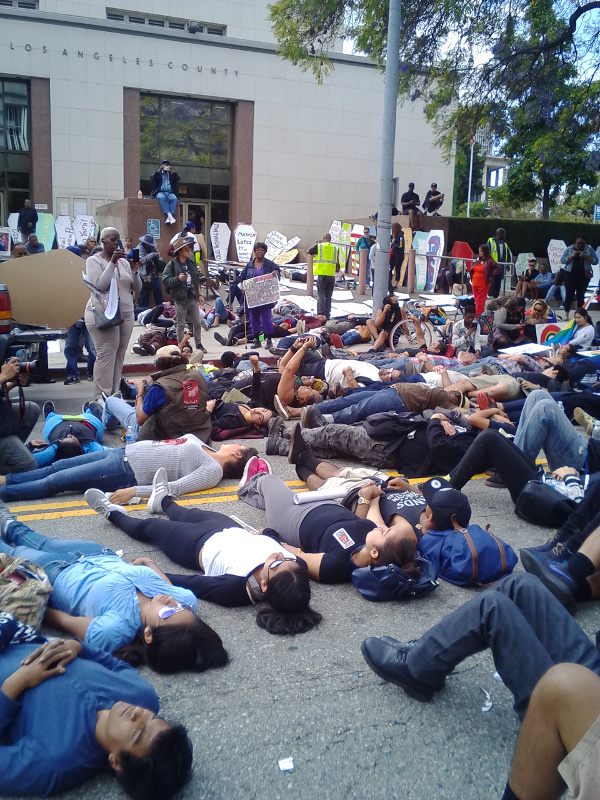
x: 312, y: 366
x: 409, y: 505
x: 338, y: 533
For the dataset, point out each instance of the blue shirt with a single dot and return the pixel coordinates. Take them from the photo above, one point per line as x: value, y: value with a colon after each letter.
x: 104, y: 587
x: 48, y: 735
x: 154, y: 399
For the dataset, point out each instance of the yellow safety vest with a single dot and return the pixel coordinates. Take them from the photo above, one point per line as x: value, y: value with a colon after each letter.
x: 325, y: 262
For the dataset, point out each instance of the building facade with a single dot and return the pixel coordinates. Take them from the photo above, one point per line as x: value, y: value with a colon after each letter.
x: 94, y: 96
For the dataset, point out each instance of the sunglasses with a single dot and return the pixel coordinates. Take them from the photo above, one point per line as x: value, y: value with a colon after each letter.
x: 279, y: 562
x: 167, y: 611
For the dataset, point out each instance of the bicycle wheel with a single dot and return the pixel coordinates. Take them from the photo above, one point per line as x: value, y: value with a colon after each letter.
x: 486, y: 327
x: 403, y: 334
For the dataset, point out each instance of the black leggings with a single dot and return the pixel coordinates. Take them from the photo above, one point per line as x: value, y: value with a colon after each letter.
x: 576, y: 283
x: 584, y: 519
x: 491, y: 449
x: 181, y: 537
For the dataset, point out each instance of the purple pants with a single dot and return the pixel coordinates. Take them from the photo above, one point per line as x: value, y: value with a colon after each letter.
x: 261, y: 321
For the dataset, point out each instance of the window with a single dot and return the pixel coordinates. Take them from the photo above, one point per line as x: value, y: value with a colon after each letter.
x: 15, y: 164
x: 120, y: 15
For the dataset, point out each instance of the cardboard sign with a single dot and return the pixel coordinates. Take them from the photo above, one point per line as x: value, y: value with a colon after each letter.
x: 15, y: 233
x: 220, y: 236
x: 292, y: 243
x: 262, y: 291
x: 419, y: 243
x: 556, y: 247
x: 65, y: 231
x: 85, y: 226
x: 45, y: 231
x: 408, y: 237
x: 521, y: 263
x: 4, y: 244
x: 60, y: 295
x: 435, y: 248
x: 276, y: 243
x: 244, y: 236
x: 340, y: 232
x: 548, y: 330
x: 357, y: 232
x: 285, y: 258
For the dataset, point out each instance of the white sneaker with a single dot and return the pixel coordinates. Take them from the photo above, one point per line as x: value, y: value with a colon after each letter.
x: 160, y: 489
x: 172, y: 219
x: 100, y: 503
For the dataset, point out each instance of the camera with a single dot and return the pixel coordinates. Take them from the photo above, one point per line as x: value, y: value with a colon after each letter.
x: 28, y: 367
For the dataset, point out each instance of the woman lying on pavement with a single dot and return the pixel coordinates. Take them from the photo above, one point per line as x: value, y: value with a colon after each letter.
x: 127, y: 472
x: 251, y: 416
x: 119, y: 608
x: 240, y: 568
x: 69, y: 711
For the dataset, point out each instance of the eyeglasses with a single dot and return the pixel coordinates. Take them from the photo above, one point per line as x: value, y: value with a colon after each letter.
x: 279, y: 562
x: 167, y: 611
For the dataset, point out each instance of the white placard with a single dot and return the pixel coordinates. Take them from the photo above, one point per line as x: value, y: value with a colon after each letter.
x: 244, y: 236
x: 79, y: 209
x: 276, y: 243
x: 262, y: 290
x: 13, y: 224
x: 220, y: 236
x: 65, y: 231
x: 526, y: 349
x: 5, y: 243
x: 292, y: 243
x: 556, y: 247
x: 85, y: 226
x: 521, y: 263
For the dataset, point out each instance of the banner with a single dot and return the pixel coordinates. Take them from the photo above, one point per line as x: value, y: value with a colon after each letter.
x: 85, y: 226
x: 244, y: 236
x: 65, y: 232
x: 555, y: 332
x: 220, y: 236
x: 15, y: 233
x: 276, y: 243
x: 44, y: 230
x: 556, y: 247
x: 262, y: 291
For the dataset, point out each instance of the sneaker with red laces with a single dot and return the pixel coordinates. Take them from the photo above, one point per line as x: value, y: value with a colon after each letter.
x: 253, y: 466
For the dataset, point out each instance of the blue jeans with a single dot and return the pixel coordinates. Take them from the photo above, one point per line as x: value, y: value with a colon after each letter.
x: 53, y: 555
x: 362, y: 405
x: 526, y: 628
x: 154, y: 286
x: 107, y: 470
x: 220, y: 312
x: 118, y: 411
x: 72, y: 349
x: 287, y: 341
x: 350, y: 337
x: 168, y: 202
x: 555, y: 292
x: 544, y: 426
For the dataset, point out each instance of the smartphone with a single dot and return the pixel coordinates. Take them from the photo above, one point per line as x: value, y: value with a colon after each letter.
x: 136, y: 255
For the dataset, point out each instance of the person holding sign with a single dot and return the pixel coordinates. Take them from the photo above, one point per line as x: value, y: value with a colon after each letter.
x: 260, y: 316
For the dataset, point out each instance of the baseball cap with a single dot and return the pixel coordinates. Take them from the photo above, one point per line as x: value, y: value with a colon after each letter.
x: 444, y: 502
x: 168, y: 350
x: 166, y: 162
x: 190, y: 224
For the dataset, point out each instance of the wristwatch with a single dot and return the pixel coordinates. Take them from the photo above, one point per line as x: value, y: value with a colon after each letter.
x: 362, y: 501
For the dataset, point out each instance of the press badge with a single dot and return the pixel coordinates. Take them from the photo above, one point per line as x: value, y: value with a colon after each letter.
x: 191, y: 395
x: 343, y: 537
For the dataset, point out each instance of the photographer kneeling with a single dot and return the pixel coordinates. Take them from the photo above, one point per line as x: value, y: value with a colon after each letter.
x: 17, y: 420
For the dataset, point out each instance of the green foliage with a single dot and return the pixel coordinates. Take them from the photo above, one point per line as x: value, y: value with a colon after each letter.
x: 461, y: 173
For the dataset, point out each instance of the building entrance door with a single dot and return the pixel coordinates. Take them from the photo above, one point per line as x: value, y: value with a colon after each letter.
x: 198, y: 212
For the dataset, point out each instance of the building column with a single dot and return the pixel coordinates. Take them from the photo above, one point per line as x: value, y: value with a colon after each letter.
x: 40, y: 146
x: 131, y: 141
x: 240, y: 198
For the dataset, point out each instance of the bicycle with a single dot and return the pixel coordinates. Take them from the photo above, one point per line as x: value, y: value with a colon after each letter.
x: 434, y: 321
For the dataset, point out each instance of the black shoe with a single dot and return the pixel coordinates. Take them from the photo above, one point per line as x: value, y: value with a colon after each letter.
x: 268, y: 343
x: 71, y: 379
x: 326, y: 350
x: 126, y: 389
x: 311, y: 417
x: 275, y: 438
x: 201, y: 348
x: 554, y: 576
x: 48, y: 408
x: 140, y: 350
x: 297, y: 444
x: 220, y: 339
x: 93, y: 407
x: 496, y: 482
x: 389, y: 662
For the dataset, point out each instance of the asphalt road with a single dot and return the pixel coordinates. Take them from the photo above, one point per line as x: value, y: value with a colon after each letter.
x: 312, y: 697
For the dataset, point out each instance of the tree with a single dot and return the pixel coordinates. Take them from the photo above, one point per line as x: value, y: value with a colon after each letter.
x: 461, y: 173
x: 463, y: 59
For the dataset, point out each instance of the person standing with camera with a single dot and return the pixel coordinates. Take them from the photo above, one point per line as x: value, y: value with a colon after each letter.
x: 16, y: 421
x: 180, y: 278
x: 165, y: 188
x: 578, y: 260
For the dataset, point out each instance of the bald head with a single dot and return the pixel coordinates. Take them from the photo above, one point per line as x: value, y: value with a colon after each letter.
x: 327, y: 237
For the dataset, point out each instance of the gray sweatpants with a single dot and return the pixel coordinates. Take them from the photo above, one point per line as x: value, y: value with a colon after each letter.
x: 343, y: 441
x: 269, y: 493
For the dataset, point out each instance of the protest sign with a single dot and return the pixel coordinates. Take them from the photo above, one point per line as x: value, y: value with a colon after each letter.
x: 13, y: 224
x: 4, y: 244
x: 556, y: 247
x: 285, y: 258
x: 65, y: 231
x: 292, y: 243
x: 262, y: 291
x: 244, y: 236
x: 220, y: 236
x: 45, y: 230
x: 85, y: 226
x: 521, y: 263
x: 276, y: 243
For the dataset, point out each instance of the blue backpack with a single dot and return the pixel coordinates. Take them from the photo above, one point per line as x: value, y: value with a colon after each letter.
x: 391, y: 582
x: 468, y: 556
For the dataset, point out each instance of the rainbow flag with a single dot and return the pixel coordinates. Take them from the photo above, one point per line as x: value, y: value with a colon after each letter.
x: 562, y: 336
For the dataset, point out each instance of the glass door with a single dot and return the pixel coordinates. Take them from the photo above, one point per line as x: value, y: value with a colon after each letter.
x: 198, y: 213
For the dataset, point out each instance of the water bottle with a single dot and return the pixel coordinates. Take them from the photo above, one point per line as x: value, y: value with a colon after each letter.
x: 131, y: 435
x: 561, y: 406
x: 596, y: 431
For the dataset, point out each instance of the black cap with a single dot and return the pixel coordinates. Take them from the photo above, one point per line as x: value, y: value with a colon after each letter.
x: 166, y: 162
x: 444, y: 502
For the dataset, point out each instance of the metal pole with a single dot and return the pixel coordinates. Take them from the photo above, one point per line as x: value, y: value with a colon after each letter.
x: 386, y: 173
x: 470, y: 176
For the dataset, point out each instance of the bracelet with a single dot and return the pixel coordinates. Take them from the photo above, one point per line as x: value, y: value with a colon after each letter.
x: 299, y: 551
